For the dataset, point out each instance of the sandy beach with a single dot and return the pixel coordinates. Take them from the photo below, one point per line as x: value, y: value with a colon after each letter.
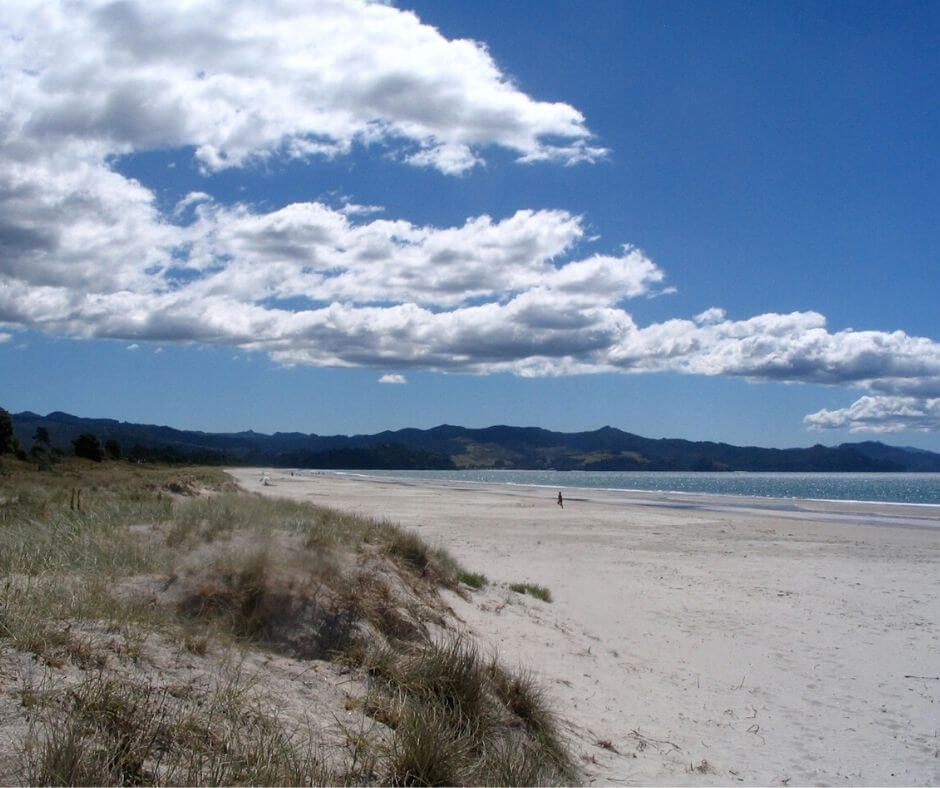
x: 696, y: 639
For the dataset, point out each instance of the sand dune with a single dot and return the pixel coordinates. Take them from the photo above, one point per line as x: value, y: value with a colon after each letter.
x: 692, y: 639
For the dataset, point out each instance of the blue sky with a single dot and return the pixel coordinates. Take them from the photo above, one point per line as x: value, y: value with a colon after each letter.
x: 712, y: 221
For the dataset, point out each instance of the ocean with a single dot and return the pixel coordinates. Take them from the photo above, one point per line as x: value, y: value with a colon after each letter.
x: 910, y: 488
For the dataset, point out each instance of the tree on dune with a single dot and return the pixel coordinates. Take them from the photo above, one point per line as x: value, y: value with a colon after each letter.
x: 88, y: 446
x: 113, y: 448
x: 8, y: 442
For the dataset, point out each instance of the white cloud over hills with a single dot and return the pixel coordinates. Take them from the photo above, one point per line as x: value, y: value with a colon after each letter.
x: 86, y: 252
x: 881, y: 414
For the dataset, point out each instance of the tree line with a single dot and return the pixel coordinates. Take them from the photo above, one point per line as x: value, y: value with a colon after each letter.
x: 87, y: 445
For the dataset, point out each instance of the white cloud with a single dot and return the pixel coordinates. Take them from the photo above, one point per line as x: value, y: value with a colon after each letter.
x: 395, y: 379
x: 353, y: 209
x: 4, y: 337
x: 85, y: 83
x: 239, y: 80
x: 490, y: 295
x: 449, y: 159
x: 881, y: 414
x: 795, y: 347
x: 710, y: 316
x: 193, y: 198
x: 133, y: 346
x: 308, y: 249
x: 87, y: 252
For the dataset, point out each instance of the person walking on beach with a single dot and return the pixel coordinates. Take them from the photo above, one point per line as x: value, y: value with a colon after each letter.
x: 561, y: 501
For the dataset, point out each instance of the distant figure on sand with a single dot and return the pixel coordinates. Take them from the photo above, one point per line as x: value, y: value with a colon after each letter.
x: 561, y: 501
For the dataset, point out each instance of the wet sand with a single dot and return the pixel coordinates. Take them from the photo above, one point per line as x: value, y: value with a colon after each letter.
x: 697, y: 639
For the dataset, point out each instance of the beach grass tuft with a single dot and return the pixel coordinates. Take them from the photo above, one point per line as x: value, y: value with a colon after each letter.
x: 461, y: 719
x: 539, y: 592
x: 475, y: 580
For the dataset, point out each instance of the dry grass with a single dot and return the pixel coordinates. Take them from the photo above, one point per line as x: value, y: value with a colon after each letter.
x: 112, y: 731
x: 149, y: 554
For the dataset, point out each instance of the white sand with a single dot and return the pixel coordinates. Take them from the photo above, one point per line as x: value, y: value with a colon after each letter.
x: 695, y: 642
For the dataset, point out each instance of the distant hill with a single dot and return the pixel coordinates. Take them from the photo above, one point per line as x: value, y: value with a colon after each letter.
x: 912, y: 459
x: 448, y: 446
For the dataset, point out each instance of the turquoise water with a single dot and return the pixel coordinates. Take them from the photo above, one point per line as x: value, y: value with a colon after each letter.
x: 918, y: 488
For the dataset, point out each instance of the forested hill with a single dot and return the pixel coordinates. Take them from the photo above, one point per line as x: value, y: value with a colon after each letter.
x: 458, y: 447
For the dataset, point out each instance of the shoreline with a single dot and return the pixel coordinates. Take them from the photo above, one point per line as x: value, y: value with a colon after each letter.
x: 689, y: 645
x: 888, y: 513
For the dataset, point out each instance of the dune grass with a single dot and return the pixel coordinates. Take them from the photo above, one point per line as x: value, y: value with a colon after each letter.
x: 537, y: 591
x: 181, y: 556
x: 474, y: 580
x: 112, y: 731
x: 461, y: 719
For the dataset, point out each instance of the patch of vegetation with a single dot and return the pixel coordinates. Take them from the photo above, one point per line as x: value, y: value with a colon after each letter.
x: 475, y: 580
x: 112, y: 731
x: 460, y: 719
x: 9, y: 444
x: 88, y: 446
x: 539, y: 592
x: 100, y: 559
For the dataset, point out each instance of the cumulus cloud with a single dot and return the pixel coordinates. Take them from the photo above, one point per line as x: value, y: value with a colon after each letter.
x: 311, y: 250
x: 395, y: 379
x: 794, y: 347
x: 881, y: 414
x: 244, y: 80
x: 88, y: 252
x: 87, y: 83
x: 309, y: 284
